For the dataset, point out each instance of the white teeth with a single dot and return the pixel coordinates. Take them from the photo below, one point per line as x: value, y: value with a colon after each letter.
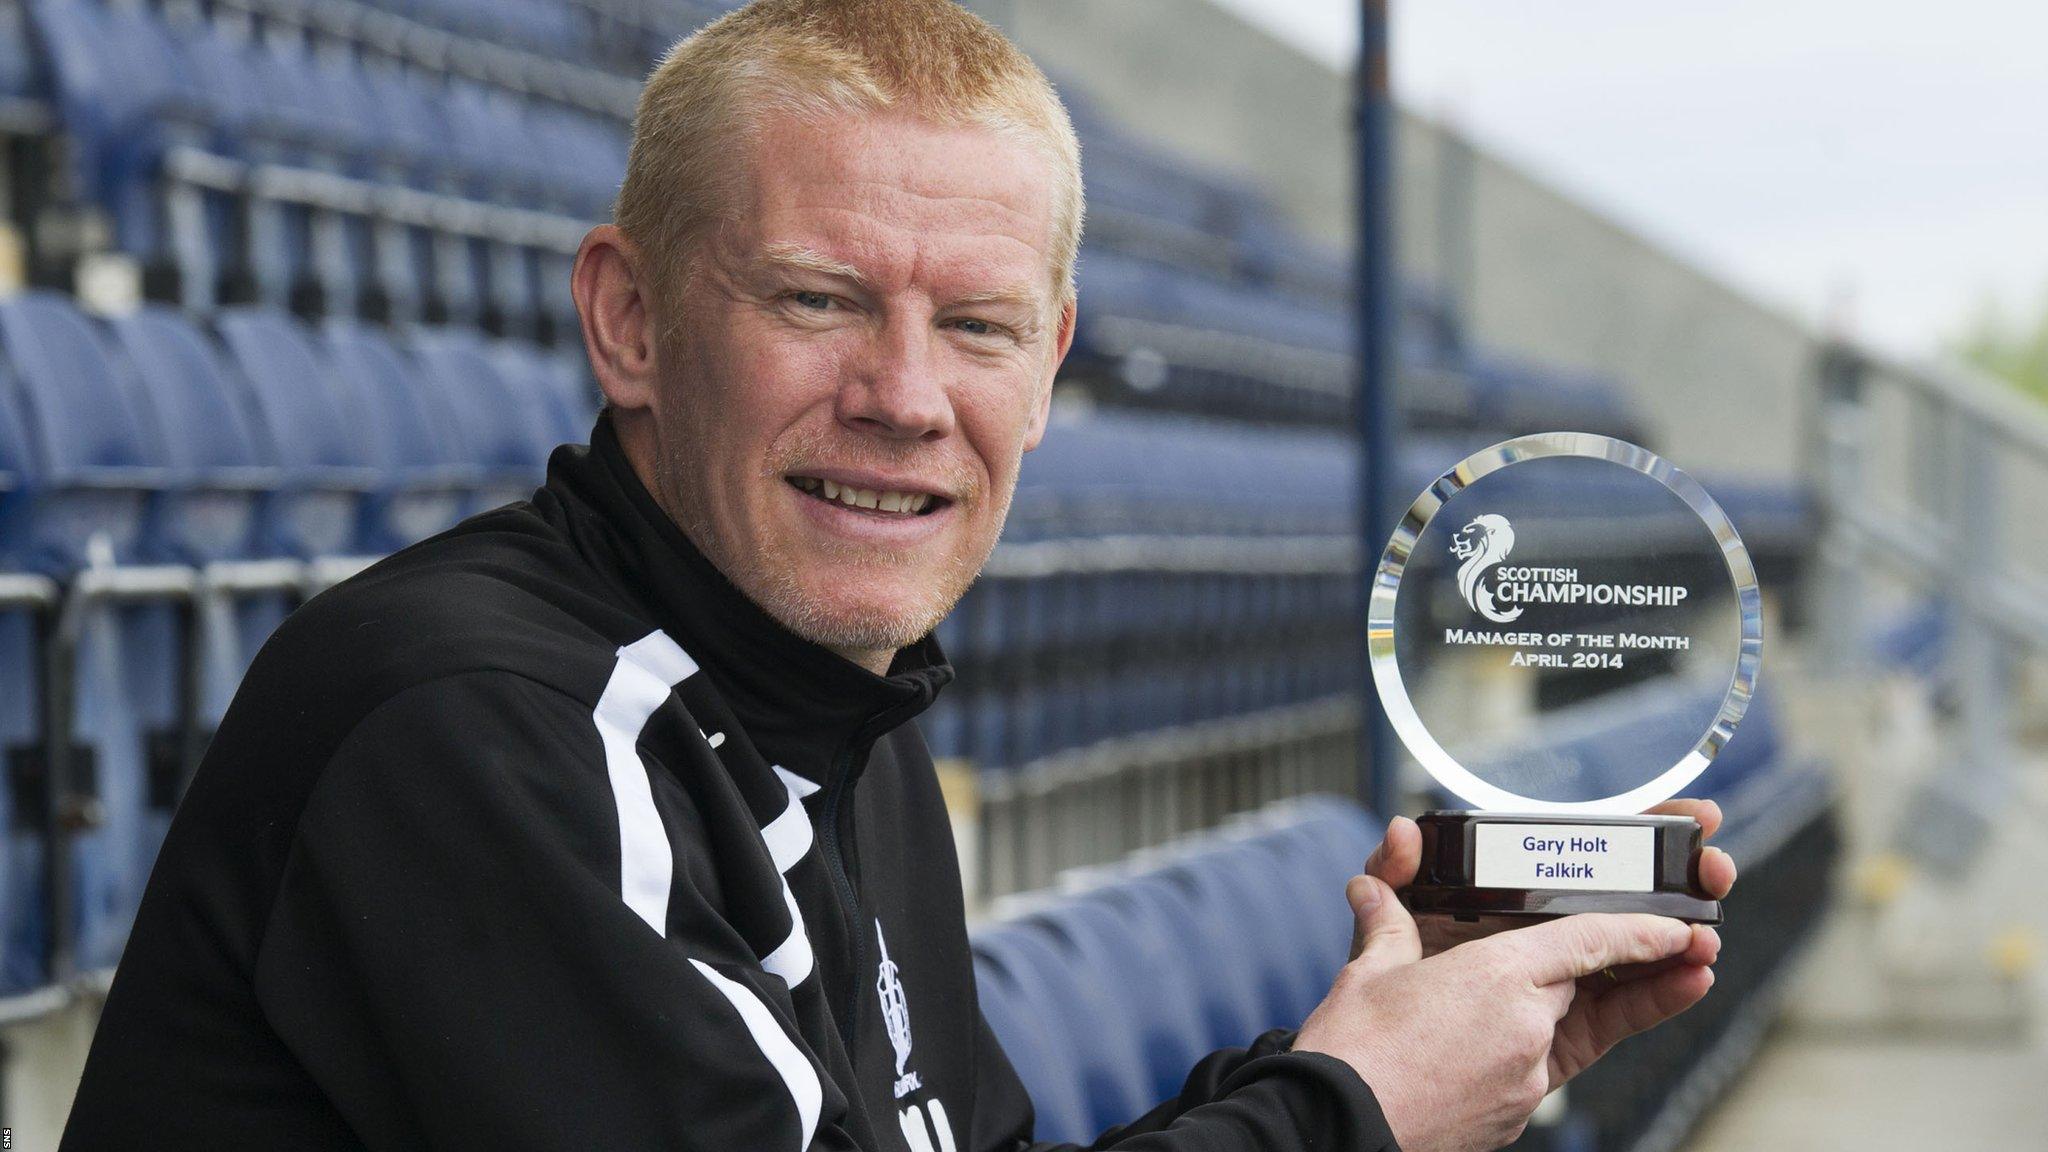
x: 903, y: 503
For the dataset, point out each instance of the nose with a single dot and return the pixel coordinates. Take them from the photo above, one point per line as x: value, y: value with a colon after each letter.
x: 894, y: 388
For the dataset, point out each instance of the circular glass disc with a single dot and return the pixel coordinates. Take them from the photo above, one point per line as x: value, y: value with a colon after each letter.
x: 1565, y: 569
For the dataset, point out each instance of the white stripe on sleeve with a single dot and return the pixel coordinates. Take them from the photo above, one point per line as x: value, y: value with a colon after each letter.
x: 790, y: 1063
x: 641, y: 680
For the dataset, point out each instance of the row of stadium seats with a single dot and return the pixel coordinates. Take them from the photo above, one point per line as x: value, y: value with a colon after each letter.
x: 1157, y: 571
x: 1004, y: 720
x: 1167, y: 208
x: 1152, y: 334
x: 1103, y: 1001
x: 1592, y: 749
x: 281, y: 165
x: 261, y: 436
x: 131, y: 83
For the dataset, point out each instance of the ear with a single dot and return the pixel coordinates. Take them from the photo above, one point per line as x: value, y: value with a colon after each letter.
x: 614, y: 301
x: 1063, y: 342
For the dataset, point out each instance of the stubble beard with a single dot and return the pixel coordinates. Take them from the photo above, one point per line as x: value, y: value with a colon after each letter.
x: 769, y: 573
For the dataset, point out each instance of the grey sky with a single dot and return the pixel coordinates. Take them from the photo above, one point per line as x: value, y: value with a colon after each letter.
x: 1890, y: 155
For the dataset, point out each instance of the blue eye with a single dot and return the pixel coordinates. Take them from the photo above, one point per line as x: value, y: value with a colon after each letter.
x: 976, y: 327
x: 813, y: 300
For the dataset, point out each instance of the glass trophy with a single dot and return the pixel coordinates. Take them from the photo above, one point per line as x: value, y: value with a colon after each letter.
x: 1564, y: 631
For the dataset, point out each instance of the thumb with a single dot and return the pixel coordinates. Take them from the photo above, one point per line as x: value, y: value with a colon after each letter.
x: 1385, y: 937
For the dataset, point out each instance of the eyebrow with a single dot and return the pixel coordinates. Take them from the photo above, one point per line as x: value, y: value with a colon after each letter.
x: 1022, y: 297
x: 790, y: 255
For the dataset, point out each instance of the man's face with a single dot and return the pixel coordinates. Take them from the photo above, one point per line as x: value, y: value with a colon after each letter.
x: 858, y: 365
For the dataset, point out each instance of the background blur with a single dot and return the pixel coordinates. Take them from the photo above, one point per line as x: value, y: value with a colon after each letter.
x: 283, y: 286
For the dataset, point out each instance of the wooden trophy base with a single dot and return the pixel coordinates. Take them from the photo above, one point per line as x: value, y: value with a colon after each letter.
x: 1478, y: 864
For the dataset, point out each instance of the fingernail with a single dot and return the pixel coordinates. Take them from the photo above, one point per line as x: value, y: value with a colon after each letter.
x: 1371, y: 900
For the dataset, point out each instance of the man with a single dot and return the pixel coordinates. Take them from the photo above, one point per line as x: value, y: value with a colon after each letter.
x: 599, y: 822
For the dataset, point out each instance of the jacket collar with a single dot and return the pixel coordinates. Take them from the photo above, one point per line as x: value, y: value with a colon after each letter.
x: 798, y: 701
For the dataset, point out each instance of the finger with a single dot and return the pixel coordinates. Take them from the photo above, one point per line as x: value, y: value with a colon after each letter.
x: 1717, y: 873
x: 1353, y: 896
x: 1619, y: 1012
x: 1607, y: 978
x: 1573, y: 946
x: 1399, y: 856
x: 1706, y: 812
x: 1386, y: 933
x: 1704, y: 949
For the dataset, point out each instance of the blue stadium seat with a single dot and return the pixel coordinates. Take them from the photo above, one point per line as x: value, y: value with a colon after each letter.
x: 293, y: 399
x: 1116, y: 993
x: 1083, y: 1021
x: 1916, y: 639
x: 125, y: 94
x: 1512, y: 397
x: 411, y: 140
x: 548, y: 393
x: 91, y: 472
x: 177, y: 386
x: 415, y: 434
x: 22, y: 935
x: 1221, y: 959
x: 1010, y: 991
x: 1245, y: 877
x: 1586, y: 749
x: 18, y: 72
x: 510, y: 427
x: 1126, y: 943
x: 220, y: 488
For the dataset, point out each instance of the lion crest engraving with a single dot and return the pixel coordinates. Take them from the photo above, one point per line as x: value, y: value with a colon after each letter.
x: 1482, y: 544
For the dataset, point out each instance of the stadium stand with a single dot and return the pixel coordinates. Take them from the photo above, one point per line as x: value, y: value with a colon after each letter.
x: 1199, y: 946
x: 351, y: 224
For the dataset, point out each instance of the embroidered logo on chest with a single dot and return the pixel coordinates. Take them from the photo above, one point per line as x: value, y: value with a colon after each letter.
x: 920, y: 1124
x: 896, y: 1016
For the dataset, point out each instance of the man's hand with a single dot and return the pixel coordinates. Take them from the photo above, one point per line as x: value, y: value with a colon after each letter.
x: 1399, y: 857
x: 1459, y: 1048
x: 1609, y: 1007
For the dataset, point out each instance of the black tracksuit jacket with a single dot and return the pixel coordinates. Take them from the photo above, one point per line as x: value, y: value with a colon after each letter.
x: 540, y: 834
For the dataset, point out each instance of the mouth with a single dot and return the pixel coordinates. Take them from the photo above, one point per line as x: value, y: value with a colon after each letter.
x: 893, y: 504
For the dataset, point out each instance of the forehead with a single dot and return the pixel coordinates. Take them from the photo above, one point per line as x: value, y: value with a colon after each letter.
x: 902, y: 199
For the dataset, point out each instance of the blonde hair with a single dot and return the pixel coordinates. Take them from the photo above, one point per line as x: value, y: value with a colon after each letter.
x: 711, y: 92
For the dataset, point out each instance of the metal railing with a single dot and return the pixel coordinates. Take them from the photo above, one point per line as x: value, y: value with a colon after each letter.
x: 377, y: 32
x: 1104, y: 801
x: 391, y: 211
x: 1049, y: 810
x: 64, y: 610
x: 1927, y: 475
x: 1072, y: 806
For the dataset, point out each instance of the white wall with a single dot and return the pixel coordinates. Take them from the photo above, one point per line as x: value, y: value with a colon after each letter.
x: 1717, y: 376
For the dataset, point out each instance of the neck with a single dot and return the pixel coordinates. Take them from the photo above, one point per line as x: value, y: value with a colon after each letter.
x: 876, y: 660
